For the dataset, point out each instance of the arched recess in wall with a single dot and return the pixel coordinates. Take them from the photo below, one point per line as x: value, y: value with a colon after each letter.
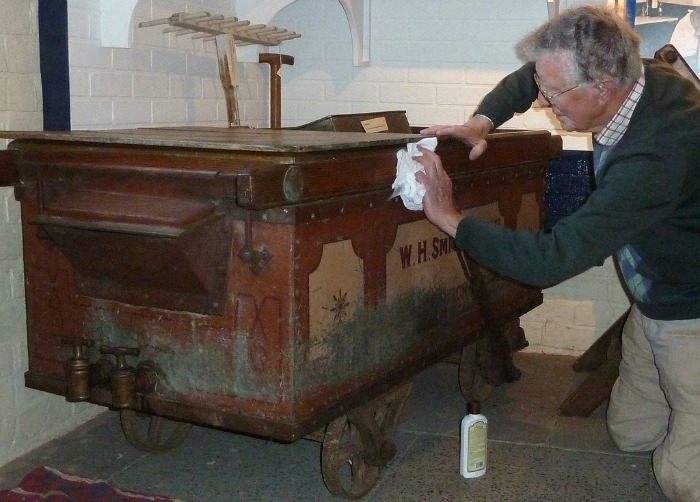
x: 357, y: 12
x: 116, y: 22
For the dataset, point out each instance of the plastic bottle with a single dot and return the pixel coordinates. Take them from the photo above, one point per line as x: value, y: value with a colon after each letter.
x: 473, y: 444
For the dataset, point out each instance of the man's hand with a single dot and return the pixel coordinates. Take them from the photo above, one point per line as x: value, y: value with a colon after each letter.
x: 438, y: 205
x: 472, y: 133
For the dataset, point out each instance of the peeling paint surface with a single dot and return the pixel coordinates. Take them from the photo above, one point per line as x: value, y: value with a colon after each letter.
x: 197, y: 360
x: 376, y: 339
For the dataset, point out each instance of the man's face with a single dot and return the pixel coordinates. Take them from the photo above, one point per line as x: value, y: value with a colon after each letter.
x: 577, y: 107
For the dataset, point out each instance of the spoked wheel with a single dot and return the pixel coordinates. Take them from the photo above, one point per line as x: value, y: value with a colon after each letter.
x: 151, y: 433
x: 356, y: 446
x: 473, y: 381
x: 344, y: 469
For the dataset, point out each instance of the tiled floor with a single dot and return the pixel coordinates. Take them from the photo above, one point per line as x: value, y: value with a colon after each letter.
x: 534, y: 454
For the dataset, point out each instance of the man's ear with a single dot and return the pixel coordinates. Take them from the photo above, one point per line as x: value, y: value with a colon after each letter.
x: 606, y: 87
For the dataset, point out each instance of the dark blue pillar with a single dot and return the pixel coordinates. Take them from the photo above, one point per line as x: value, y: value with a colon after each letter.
x: 53, y: 50
x: 631, y: 11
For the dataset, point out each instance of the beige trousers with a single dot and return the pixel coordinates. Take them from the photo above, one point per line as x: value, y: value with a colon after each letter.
x: 655, y: 403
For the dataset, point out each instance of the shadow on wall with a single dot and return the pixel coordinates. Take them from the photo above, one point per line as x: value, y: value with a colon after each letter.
x: 675, y: 24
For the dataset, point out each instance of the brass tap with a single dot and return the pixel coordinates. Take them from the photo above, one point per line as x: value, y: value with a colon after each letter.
x: 122, y: 377
x: 77, y: 369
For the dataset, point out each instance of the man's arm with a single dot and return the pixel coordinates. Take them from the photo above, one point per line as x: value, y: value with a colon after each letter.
x: 514, y: 94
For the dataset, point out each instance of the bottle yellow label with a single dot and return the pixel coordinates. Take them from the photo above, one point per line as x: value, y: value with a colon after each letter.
x: 476, y: 457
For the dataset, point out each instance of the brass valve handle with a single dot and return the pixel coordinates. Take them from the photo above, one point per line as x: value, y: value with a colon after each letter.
x: 120, y: 354
x: 78, y: 345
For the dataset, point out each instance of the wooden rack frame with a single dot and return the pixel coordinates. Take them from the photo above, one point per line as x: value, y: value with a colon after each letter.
x: 208, y: 26
x: 228, y: 33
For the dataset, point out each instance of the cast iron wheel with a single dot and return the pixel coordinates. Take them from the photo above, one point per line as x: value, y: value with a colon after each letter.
x: 345, y: 472
x: 356, y: 446
x: 472, y: 378
x: 152, y: 434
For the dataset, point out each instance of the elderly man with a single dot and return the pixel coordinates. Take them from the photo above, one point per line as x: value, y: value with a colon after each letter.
x: 645, y: 119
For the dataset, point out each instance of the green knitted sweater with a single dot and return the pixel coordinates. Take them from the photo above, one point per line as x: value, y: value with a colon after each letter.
x: 647, y: 195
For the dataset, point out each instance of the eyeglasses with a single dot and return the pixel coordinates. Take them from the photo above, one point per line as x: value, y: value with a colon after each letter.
x: 549, y: 97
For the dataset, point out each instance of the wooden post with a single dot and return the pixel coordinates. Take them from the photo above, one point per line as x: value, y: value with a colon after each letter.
x: 228, y: 73
x: 275, y: 61
x: 602, y: 359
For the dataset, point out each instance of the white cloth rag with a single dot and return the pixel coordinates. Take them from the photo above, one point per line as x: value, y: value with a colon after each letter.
x: 405, y: 185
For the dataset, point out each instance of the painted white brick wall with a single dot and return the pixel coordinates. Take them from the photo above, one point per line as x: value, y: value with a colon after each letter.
x: 434, y: 58
x: 162, y: 79
x: 28, y: 418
